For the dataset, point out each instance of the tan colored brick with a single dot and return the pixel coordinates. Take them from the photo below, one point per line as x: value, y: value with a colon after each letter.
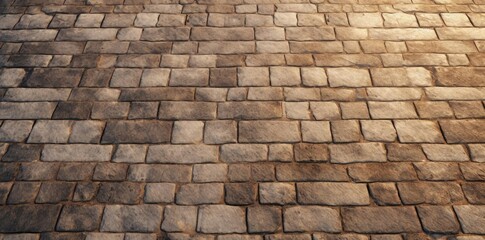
x: 269, y: 131
x: 357, y: 152
x: 418, y: 131
x: 348, y: 77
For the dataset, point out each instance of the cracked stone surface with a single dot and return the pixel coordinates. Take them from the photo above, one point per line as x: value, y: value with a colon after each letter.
x: 242, y: 119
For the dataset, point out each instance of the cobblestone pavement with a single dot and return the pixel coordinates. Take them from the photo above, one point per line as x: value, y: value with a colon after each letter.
x: 242, y: 119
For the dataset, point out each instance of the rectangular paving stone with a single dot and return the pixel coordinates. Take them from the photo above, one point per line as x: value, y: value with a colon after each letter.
x: 189, y: 77
x: 49, y: 131
x: 455, y: 93
x: 452, y: 33
x: 323, y: 193
x: 37, y: 95
x: 309, y: 33
x: 26, y: 110
x: 392, y: 110
x: 33, y: 60
x: 63, y: 48
x: 187, y: 110
x: 80, y: 218
x: 357, y: 152
x: 221, y: 34
x: 382, y: 172
x: 226, y: 47
x: 180, y: 218
x: 182, y: 154
x: 54, y: 77
x: 159, y: 173
x: 443, y: 152
x: 463, y: 131
x: 346, y: 60
x: 11, y: 77
x: 9, y: 20
x: 311, y: 172
x: 301, y: 219
x: 277, y: 193
x: 150, y: 47
x: 140, y: 218
x: 348, y: 77
x: 394, y: 94
x: 87, y: 34
x: 119, y: 192
x: 308, y: 152
x: 474, y: 192
x: 22, y: 153
x: 249, y: 110
x: 400, y: 34
x: 29, y: 218
x: 264, y: 219
x: 204, y: 193
x: 15, y: 131
x: 232, y: 153
x: 158, y: 93
x: 138, y: 131
x: 380, y: 219
x: 412, y: 131
x: 110, y: 110
x: 72, y: 110
x: 23, y: 192
x: 55, y: 192
x: 166, y: 34
x: 437, y: 193
x: 35, y: 35
x: 471, y: 218
x: 411, y: 76
x: 77, y: 152
x: 221, y: 219
x: 441, y: 46
x: 438, y: 219
x: 269, y: 131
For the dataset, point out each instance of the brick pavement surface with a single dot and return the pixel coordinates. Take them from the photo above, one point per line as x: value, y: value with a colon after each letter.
x: 242, y: 119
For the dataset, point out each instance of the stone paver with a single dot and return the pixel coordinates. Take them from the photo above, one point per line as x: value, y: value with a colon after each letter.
x: 232, y: 119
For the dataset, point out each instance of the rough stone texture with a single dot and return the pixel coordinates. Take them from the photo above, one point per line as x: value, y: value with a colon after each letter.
x: 373, y: 172
x: 384, y: 193
x: 179, y: 218
x: 142, y: 218
x: 333, y: 194
x: 181, y: 154
x: 29, y: 218
x: 233, y: 119
x: 301, y: 218
x: 438, y: 152
x: 79, y: 218
x: 381, y: 219
x: 264, y: 219
x: 471, y: 218
x: 357, y: 152
x: 221, y: 219
x: 437, y: 219
x: 159, y: 193
x: 463, y: 131
x: 430, y: 192
x: 77, y: 152
x: 277, y: 193
x: 311, y: 152
x: 128, y: 132
x: 268, y: 131
x: 240, y: 193
x: 194, y: 194
x: 116, y: 192
x: 410, y: 131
